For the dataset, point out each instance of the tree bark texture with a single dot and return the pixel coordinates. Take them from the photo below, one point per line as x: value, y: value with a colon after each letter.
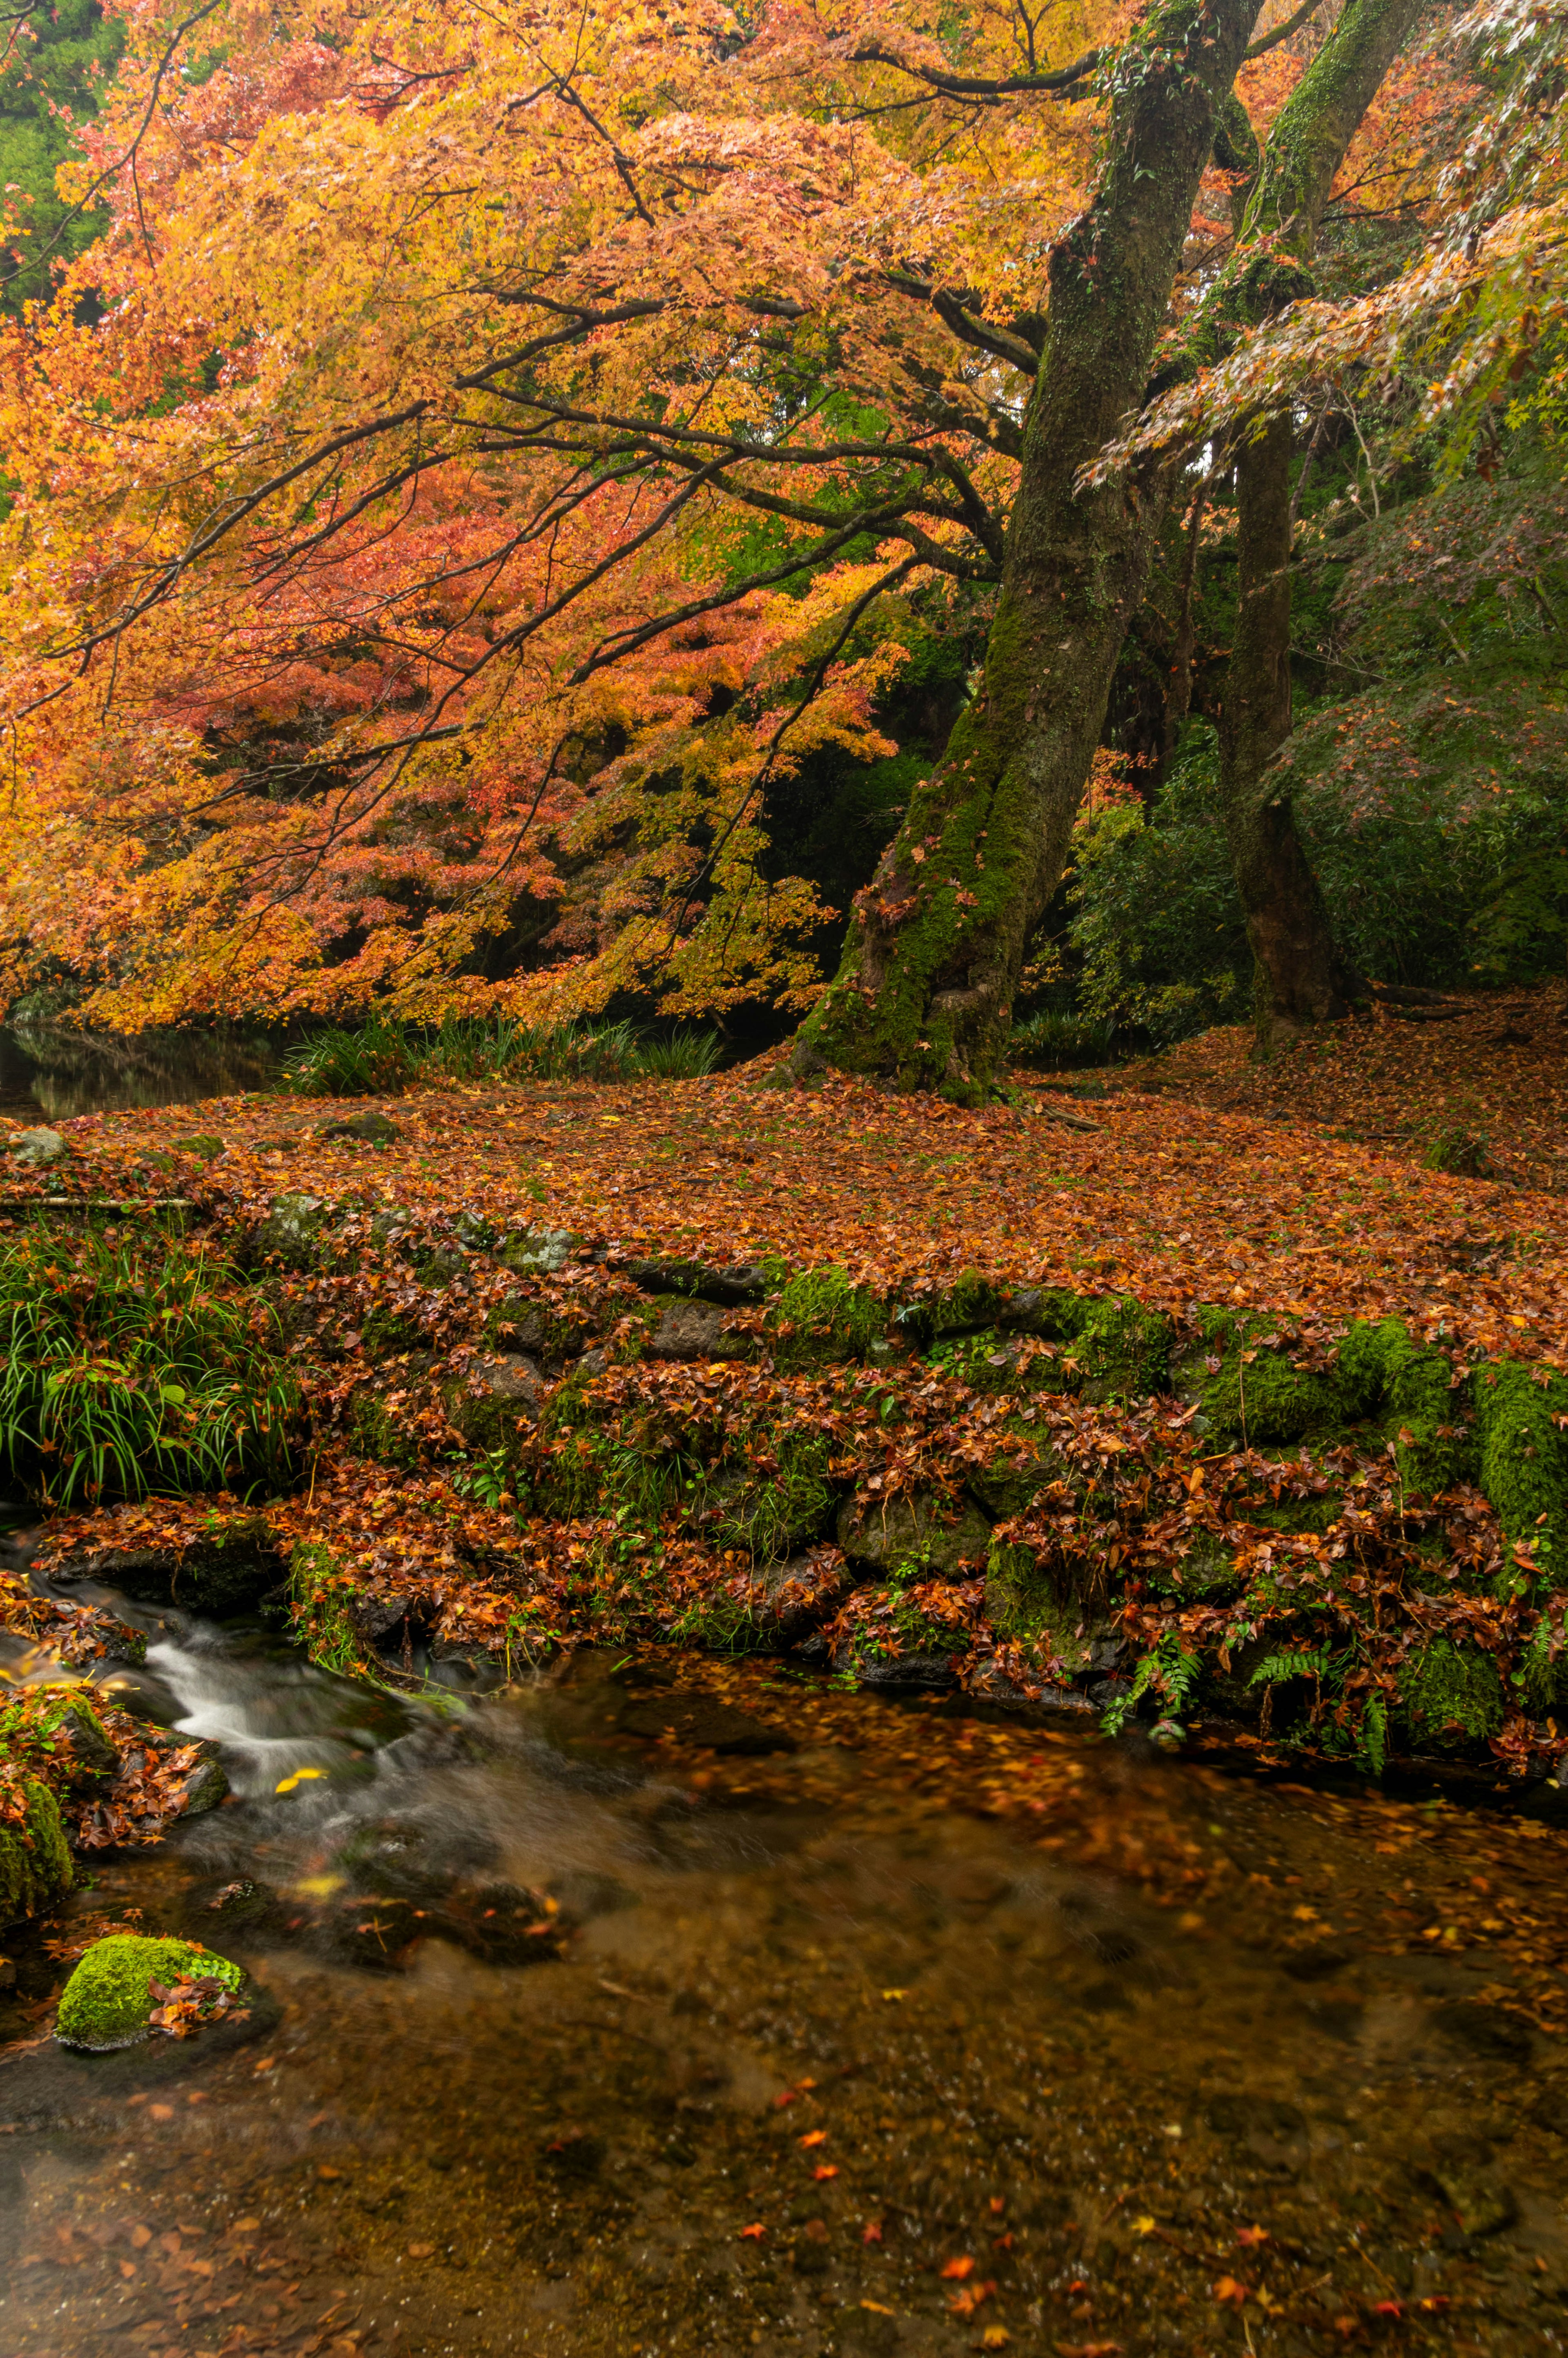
x: 924, y: 995
x: 1302, y: 978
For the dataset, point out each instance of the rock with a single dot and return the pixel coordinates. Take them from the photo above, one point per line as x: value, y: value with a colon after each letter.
x: 36, y: 1146
x: 109, y: 1997
x: 236, y: 1909
x: 1482, y: 2202
x: 35, y: 1861
x: 1485, y: 2030
x: 90, y: 1744
x: 204, y: 1788
x: 546, y: 1250
x: 739, y: 1281
x: 992, y: 1683
x: 363, y: 1129
x: 226, y: 1572
x: 408, y: 1860
x: 695, y: 1330
x: 376, y: 1618
x: 291, y: 1232
x: 203, y: 1146
x: 496, y: 1396
x: 931, y: 1672
x: 788, y: 1600
x: 1009, y: 1484
x: 518, y: 1324
x: 915, y: 1531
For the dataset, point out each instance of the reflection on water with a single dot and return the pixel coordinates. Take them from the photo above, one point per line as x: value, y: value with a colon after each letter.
x: 51, y: 1073
x: 668, y: 2007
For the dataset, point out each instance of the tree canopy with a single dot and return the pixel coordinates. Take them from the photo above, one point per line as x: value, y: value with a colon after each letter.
x: 503, y: 450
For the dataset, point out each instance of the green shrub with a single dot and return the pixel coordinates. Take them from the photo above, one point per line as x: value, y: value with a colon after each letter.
x: 375, y: 1061
x: 1156, y: 924
x: 134, y: 1367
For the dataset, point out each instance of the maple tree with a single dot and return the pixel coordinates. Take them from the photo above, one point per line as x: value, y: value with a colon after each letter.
x: 509, y: 445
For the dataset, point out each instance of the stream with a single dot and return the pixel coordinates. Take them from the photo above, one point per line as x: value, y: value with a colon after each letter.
x: 667, y: 2004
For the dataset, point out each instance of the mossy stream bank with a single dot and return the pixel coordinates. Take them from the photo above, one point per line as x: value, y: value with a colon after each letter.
x: 1349, y: 1541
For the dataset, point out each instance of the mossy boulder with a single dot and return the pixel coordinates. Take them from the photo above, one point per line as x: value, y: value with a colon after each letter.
x: 35, y: 1860
x: 1023, y: 1604
x: 1251, y: 1384
x: 1115, y: 1349
x: 827, y: 1316
x: 1383, y: 1370
x: 915, y: 1536
x: 1523, y: 1452
x: 292, y: 1231
x: 494, y: 1406
x: 1453, y: 1695
x: 109, y: 1997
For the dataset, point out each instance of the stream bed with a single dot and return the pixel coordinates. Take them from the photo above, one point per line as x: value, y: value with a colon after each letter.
x: 663, y: 2004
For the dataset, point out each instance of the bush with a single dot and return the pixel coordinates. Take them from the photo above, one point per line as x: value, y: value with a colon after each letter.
x: 127, y: 1369
x: 1155, y: 920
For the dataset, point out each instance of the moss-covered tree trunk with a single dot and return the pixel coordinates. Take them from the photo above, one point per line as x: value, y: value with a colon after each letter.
x: 1302, y: 976
x: 924, y: 993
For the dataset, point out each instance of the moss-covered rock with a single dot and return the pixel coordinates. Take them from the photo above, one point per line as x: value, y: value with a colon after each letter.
x: 1113, y: 1348
x: 1384, y: 1371
x: 387, y: 1334
x: 827, y: 1316
x: 292, y: 1231
x: 35, y: 1860
x: 915, y: 1536
x: 1023, y: 1604
x: 109, y: 1997
x: 1453, y: 1695
x: 1524, y: 1458
x: 1247, y: 1375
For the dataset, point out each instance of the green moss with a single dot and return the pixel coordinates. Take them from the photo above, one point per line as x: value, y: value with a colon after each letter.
x: 1452, y: 1694
x: 385, y: 1333
x: 35, y: 1860
x: 972, y: 1301
x: 1124, y: 1350
x: 108, y: 2000
x: 831, y: 1318
x: 204, y: 1145
x: 1524, y: 1458
x: 1023, y: 1604
x: 773, y: 1506
x: 374, y: 1432
x: 320, y: 1593
x: 1256, y: 1392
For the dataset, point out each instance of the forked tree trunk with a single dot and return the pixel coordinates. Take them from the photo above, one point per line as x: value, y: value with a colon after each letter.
x: 924, y: 993
x: 1302, y: 978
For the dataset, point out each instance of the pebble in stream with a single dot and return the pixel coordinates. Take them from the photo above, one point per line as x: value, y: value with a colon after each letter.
x: 881, y: 2030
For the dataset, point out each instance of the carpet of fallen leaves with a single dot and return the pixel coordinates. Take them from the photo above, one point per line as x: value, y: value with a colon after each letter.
x: 1160, y: 1192
x: 1495, y: 1068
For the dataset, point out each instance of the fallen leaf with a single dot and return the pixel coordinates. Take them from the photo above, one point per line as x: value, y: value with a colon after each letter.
x: 964, y: 2267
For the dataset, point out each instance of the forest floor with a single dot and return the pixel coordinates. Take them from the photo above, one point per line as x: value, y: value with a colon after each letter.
x: 1493, y: 1068
x: 1283, y: 1389
x: 1300, y: 1189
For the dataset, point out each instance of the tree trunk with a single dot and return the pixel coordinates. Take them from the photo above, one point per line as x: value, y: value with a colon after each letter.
x: 1301, y: 976
x: 924, y: 993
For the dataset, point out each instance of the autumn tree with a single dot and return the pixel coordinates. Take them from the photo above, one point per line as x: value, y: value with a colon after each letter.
x: 513, y: 440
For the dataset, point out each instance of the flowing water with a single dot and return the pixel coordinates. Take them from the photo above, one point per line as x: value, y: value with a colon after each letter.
x: 662, y: 2005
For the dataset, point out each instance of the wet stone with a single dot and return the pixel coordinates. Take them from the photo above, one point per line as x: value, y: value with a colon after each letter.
x: 362, y: 1129
x: 917, y: 1532
x: 696, y: 1330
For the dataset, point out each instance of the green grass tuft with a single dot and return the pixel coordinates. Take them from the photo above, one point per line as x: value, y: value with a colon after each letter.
x: 133, y: 1367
